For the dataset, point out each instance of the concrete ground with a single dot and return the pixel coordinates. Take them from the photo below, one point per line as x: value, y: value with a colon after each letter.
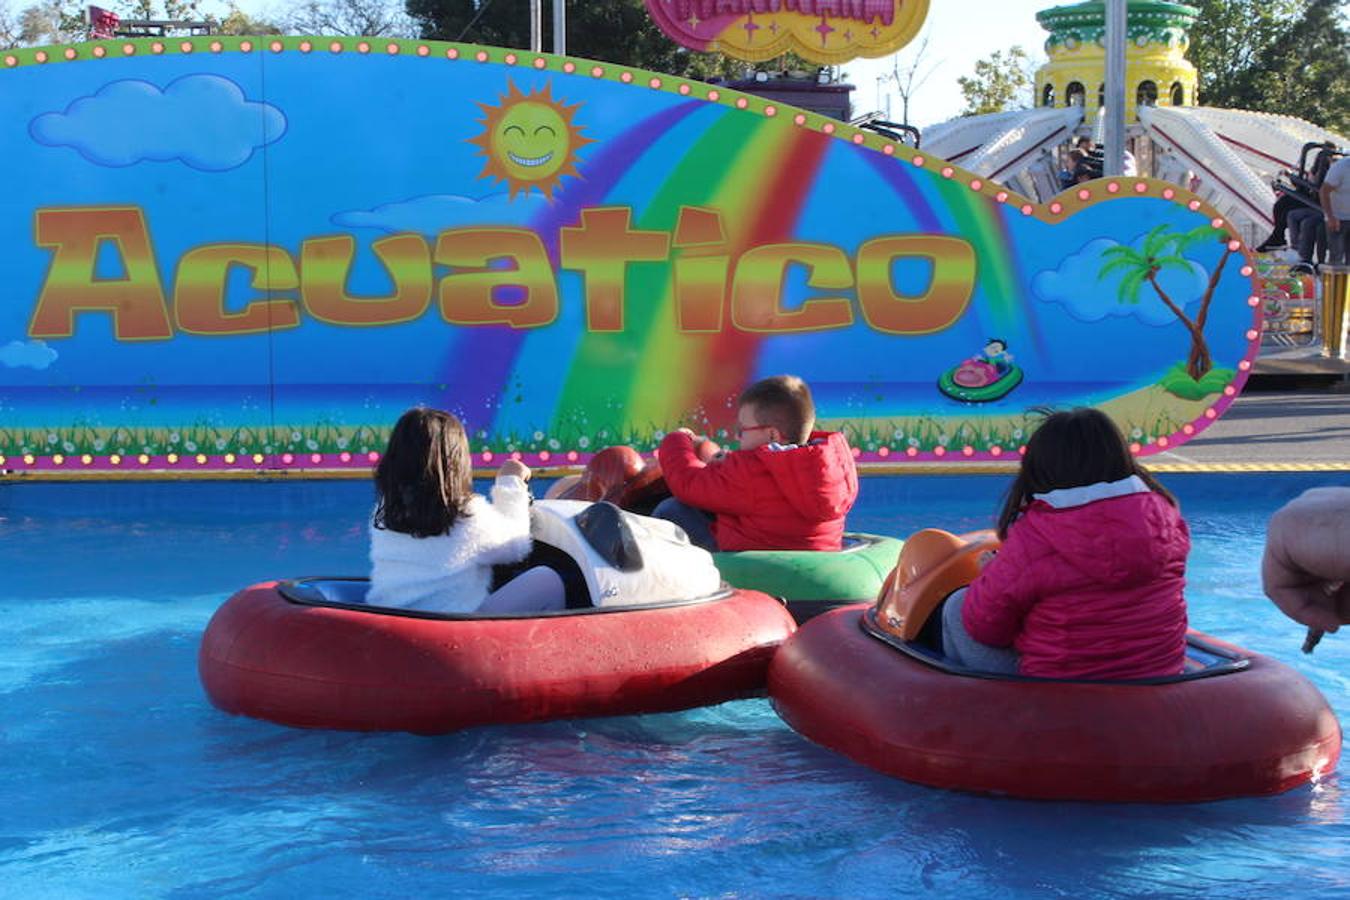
x: 1301, y: 426
x: 1275, y: 425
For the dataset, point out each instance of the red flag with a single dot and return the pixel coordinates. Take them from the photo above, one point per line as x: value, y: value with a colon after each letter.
x: 102, y: 22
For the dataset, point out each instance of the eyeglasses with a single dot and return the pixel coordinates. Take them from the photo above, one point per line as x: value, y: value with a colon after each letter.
x: 741, y: 430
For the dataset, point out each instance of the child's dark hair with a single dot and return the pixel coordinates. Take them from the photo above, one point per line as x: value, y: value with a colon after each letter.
x: 425, y: 475
x: 783, y: 401
x: 1072, y: 449
x: 1002, y: 344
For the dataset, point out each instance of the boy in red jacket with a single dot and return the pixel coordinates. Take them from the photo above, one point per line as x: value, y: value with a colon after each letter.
x: 787, y: 488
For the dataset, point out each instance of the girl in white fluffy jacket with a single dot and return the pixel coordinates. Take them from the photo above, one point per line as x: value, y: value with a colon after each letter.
x: 433, y: 541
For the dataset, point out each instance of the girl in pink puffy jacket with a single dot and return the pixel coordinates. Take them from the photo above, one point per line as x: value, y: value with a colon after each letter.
x: 1089, y: 581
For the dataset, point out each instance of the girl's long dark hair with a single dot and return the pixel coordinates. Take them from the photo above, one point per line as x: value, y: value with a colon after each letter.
x: 425, y: 477
x: 1072, y: 449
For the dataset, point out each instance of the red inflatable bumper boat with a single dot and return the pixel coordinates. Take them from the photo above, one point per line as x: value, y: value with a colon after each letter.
x: 649, y: 628
x: 295, y: 653
x: 867, y: 685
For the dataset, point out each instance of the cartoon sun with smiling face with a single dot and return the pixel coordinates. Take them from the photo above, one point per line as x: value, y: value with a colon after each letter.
x: 530, y: 140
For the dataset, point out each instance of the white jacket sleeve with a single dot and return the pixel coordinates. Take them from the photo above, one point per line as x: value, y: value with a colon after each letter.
x: 503, y: 525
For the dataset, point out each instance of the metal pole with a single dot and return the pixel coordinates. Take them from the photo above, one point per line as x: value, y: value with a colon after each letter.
x: 560, y: 27
x: 1114, y: 161
x: 536, y: 26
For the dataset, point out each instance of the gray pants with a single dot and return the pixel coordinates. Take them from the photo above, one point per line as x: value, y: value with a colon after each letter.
x: 963, y: 650
x: 1313, y: 233
x: 695, y: 522
x: 539, y: 589
x: 1300, y: 218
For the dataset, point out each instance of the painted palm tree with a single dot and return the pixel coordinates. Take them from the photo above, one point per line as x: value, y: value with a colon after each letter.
x: 1163, y: 250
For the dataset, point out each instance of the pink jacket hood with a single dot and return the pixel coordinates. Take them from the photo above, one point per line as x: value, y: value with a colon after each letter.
x: 1117, y: 533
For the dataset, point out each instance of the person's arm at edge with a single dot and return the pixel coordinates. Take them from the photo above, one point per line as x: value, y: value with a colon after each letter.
x: 1324, y: 196
x: 1305, y: 569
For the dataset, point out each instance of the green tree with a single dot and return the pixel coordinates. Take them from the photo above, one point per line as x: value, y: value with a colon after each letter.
x: 48, y: 22
x: 163, y: 10
x: 618, y: 31
x: 1281, y: 56
x: 1228, y: 40
x: 1305, y: 71
x: 1001, y: 82
x: 236, y: 21
x: 1163, y: 250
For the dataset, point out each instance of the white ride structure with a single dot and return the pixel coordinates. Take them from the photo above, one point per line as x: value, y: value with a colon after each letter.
x: 1229, y: 157
x: 1015, y: 148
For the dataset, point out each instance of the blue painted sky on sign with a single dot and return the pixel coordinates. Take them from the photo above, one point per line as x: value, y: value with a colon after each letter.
x: 1076, y: 286
x: 359, y: 157
x: 204, y: 121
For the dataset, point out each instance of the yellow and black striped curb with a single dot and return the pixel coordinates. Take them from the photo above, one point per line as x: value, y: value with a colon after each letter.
x: 8, y: 476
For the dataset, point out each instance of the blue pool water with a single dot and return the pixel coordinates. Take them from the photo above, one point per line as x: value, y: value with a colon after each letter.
x: 120, y: 779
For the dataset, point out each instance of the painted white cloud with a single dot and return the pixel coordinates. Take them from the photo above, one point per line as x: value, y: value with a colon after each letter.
x: 432, y: 213
x: 27, y: 355
x: 204, y: 121
x: 1076, y: 287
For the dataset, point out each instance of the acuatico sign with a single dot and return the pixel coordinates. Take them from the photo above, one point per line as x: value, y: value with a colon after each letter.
x: 252, y: 253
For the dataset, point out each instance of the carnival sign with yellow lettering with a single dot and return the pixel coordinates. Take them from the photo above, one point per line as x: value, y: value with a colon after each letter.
x: 231, y: 253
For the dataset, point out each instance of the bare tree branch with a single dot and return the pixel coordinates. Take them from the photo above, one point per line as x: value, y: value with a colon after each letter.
x: 9, y: 27
x: 907, y: 78
x: 371, y: 18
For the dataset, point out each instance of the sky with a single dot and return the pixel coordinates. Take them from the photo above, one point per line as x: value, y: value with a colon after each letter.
x: 960, y: 33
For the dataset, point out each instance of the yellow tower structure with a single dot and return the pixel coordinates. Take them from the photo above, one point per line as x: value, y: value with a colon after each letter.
x: 1156, y: 70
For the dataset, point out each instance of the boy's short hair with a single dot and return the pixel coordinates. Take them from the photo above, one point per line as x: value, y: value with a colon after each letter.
x: 783, y: 401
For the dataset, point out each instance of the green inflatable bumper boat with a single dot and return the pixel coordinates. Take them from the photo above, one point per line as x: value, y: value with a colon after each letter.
x: 815, y: 581
x: 809, y: 581
x: 960, y: 383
